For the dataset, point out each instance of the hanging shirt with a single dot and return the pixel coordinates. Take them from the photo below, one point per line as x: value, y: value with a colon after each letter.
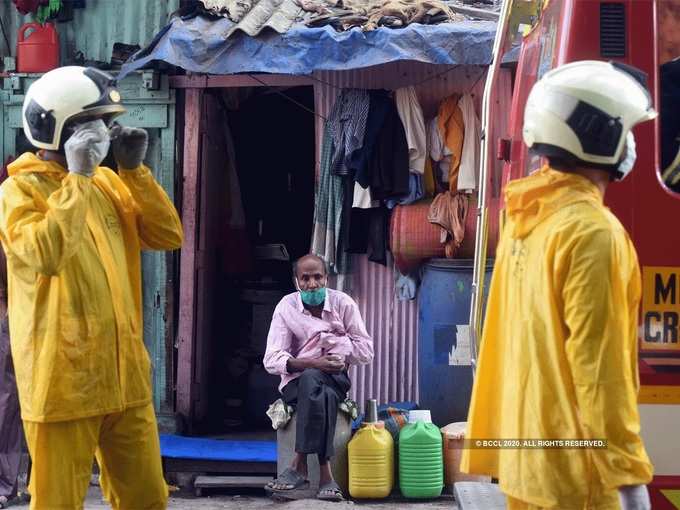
x: 296, y: 333
x: 347, y: 124
x: 388, y: 167
x: 469, y: 162
x: 558, y: 356
x: 73, y: 247
x: 377, y: 112
x: 411, y: 115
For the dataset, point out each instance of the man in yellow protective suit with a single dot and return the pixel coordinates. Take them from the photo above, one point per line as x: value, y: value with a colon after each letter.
x: 73, y: 231
x: 558, y: 358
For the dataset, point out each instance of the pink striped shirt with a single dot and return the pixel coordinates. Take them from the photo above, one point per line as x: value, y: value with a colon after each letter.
x: 296, y: 333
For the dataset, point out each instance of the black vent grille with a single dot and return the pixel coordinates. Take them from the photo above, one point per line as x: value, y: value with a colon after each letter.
x: 612, y: 30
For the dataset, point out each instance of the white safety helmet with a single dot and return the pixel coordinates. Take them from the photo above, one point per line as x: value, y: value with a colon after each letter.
x: 64, y: 95
x: 582, y: 113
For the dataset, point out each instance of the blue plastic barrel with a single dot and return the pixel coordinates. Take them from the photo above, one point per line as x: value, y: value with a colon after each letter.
x: 444, y: 370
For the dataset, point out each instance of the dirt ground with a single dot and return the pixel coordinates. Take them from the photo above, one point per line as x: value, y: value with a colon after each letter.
x: 255, y: 501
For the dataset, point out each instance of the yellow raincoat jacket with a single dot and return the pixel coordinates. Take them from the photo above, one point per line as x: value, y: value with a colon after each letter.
x: 75, y: 298
x: 558, y: 358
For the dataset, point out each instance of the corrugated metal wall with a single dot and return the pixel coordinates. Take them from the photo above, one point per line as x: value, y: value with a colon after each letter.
x: 95, y: 28
x: 393, y: 376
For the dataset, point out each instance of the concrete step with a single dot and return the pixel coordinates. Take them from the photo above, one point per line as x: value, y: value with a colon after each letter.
x: 479, y: 496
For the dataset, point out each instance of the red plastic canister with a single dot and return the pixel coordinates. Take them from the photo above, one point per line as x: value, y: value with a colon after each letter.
x: 39, y: 52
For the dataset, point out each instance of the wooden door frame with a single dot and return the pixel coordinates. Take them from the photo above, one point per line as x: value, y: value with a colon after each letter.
x: 188, y: 388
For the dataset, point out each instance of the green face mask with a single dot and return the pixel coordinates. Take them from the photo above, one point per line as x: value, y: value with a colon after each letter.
x: 313, y: 297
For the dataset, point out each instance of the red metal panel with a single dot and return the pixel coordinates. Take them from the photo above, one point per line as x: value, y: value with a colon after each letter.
x: 640, y: 202
x: 193, y: 110
x: 538, y: 54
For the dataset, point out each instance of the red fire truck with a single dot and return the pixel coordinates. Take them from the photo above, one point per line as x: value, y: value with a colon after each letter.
x: 549, y: 33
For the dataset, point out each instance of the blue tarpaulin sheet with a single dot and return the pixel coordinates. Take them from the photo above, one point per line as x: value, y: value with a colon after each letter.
x: 179, y: 447
x: 198, y: 45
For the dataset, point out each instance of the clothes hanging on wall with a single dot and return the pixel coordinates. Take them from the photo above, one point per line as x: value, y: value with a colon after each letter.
x: 439, y: 152
x: 328, y: 211
x: 449, y: 211
x: 347, y: 125
x: 469, y: 162
x: 370, y: 233
x: 363, y: 198
x: 388, y: 166
x: 452, y: 128
x: 359, y: 161
x: 416, y: 192
x: 429, y: 182
x: 411, y: 115
x: 405, y: 286
x: 379, y: 105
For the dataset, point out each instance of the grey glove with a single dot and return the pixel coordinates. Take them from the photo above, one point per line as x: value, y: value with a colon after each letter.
x: 634, y: 497
x: 87, y: 147
x: 129, y: 146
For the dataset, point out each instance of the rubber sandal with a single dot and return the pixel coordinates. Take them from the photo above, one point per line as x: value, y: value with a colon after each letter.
x: 288, y: 477
x: 330, y: 492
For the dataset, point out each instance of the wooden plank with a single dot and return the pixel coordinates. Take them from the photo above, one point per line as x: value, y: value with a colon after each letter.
x: 193, y: 112
x: 239, y: 80
x: 235, y: 482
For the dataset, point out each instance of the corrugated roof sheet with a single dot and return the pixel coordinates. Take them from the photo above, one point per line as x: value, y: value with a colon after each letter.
x: 95, y: 29
x: 252, y: 16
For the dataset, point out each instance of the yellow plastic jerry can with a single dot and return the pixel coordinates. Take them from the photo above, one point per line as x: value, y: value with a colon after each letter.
x: 371, y: 462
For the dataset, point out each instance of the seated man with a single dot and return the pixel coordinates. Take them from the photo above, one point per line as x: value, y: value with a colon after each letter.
x: 315, y: 335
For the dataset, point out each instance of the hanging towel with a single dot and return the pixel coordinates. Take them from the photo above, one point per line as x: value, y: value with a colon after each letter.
x: 452, y: 129
x: 449, y: 211
x: 328, y: 211
x: 347, y: 124
x: 411, y: 115
x: 469, y: 162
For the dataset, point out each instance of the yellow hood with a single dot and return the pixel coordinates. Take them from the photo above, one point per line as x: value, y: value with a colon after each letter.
x: 532, y: 199
x: 31, y: 163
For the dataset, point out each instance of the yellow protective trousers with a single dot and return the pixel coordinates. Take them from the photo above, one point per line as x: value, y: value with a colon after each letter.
x: 609, y: 501
x: 127, y: 449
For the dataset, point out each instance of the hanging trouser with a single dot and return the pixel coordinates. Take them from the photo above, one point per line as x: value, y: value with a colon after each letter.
x: 608, y: 501
x: 10, y: 419
x: 315, y: 395
x: 127, y: 449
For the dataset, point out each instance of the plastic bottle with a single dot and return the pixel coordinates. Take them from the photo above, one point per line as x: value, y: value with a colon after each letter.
x: 371, y: 458
x: 421, y: 464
